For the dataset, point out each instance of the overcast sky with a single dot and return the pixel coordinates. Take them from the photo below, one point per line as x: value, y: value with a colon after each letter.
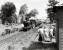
x: 40, y: 5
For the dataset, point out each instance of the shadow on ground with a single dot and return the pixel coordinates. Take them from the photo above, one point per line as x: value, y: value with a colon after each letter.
x: 41, y: 46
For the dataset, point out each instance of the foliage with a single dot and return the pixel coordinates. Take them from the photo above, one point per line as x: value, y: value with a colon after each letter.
x: 52, y: 3
x: 23, y: 9
x: 23, y: 12
x: 7, y: 10
x: 50, y: 12
x: 32, y: 13
x: 25, y: 15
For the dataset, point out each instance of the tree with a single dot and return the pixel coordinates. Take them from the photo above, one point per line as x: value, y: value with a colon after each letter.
x: 23, y: 9
x: 25, y: 15
x: 23, y: 12
x: 7, y: 10
x: 14, y: 18
x: 33, y: 13
x: 53, y: 3
x: 50, y: 12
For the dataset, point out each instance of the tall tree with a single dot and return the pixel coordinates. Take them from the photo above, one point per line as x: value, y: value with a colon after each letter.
x: 23, y: 9
x: 7, y: 10
x: 50, y: 12
x: 23, y: 12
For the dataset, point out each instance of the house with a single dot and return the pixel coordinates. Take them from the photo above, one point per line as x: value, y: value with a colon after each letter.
x: 58, y: 11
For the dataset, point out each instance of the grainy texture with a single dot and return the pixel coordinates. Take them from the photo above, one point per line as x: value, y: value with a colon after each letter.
x: 24, y: 41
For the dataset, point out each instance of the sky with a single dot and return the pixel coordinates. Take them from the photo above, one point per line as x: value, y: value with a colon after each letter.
x: 40, y: 5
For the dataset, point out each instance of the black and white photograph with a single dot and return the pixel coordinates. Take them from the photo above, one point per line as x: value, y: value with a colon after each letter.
x: 31, y: 24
